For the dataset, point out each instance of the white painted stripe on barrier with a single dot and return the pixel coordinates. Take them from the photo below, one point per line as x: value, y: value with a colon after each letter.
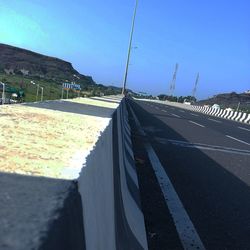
x: 184, y: 226
x: 220, y: 113
x: 243, y: 117
x: 217, y: 112
x: 238, y: 116
x: 213, y: 111
x: 227, y: 114
x: 207, y: 110
x: 247, y: 119
x: 234, y: 116
x: 231, y: 115
x: 223, y: 113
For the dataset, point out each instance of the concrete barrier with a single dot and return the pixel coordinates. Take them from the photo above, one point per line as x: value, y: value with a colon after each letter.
x: 231, y: 115
x: 109, y: 189
x: 60, y: 208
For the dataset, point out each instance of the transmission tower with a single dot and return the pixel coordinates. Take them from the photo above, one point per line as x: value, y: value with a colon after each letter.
x: 195, y: 85
x: 172, y: 84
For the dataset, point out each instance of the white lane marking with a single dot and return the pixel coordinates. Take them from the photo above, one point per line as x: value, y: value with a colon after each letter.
x: 213, y: 120
x: 187, y: 233
x: 184, y: 226
x: 163, y: 110
x: 238, y: 140
x: 197, y: 124
x: 182, y: 111
x: 176, y: 115
x: 203, y: 146
x: 244, y: 128
x: 193, y: 114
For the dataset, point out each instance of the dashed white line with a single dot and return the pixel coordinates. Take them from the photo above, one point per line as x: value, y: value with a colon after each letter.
x: 182, y: 111
x: 184, y: 226
x: 164, y: 110
x: 197, y: 124
x: 238, y: 140
x: 244, y: 128
x: 193, y: 114
x: 213, y: 120
x: 176, y: 115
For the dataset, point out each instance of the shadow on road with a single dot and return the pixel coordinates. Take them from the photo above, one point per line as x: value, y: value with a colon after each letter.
x: 217, y: 201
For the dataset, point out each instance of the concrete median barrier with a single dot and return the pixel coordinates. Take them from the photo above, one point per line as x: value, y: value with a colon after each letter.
x: 68, y: 176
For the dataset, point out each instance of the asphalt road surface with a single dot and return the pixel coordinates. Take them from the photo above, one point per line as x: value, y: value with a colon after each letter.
x: 207, y: 161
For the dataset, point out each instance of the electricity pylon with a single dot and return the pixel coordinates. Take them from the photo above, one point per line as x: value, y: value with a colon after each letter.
x: 195, y: 85
x: 172, y: 84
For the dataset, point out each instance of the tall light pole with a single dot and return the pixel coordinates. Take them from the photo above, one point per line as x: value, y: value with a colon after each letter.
x: 129, y: 49
x: 41, y: 94
x: 37, y: 92
x: 3, y: 93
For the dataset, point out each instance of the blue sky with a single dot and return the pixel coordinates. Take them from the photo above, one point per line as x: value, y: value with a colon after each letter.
x: 209, y: 37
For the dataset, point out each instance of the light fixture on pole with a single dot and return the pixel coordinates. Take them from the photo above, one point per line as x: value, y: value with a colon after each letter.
x: 129, y: 50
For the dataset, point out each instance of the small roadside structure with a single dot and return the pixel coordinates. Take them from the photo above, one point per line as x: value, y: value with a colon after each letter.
x: 216, y: 106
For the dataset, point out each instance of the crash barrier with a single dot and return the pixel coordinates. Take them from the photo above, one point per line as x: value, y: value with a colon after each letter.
x: 96, y: 209
x: 109, y: 189
x: 227, y: 114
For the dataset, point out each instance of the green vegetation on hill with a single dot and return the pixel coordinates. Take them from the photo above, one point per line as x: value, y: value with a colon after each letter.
x: 52, y: 89
x: 18, y: 67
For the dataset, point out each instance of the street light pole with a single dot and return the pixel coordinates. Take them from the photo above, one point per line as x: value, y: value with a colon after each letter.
x: 41, y: 94
x: 37, y: 92
x: 3, y: 93
x: 129, y: 50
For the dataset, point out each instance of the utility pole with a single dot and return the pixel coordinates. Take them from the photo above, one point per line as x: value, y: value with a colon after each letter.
x: 37, y: 92
x: 195, y: 85
x: 129, y: 50
x: 172, y: 84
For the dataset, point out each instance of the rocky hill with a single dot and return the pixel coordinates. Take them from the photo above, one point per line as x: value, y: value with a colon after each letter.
x: 15, y: 60
x: 229, y: 100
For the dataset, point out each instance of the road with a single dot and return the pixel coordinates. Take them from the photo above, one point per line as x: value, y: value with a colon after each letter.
x: 207, y: 160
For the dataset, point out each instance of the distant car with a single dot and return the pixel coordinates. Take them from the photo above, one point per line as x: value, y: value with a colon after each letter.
x: 216, y: 106
x: 187, y: 102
